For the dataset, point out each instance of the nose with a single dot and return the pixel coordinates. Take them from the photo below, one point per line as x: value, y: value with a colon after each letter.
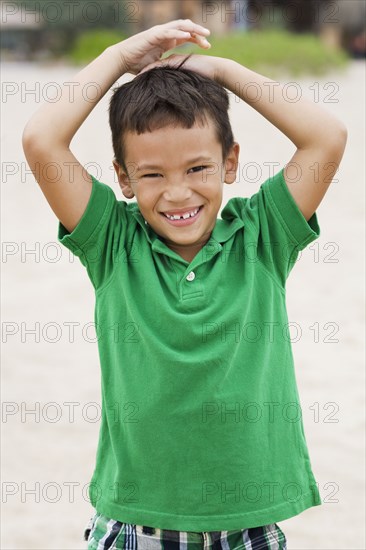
x: 177, y: 191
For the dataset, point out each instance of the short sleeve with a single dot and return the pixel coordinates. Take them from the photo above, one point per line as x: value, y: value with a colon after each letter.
x: 100, y: 235
x: 276, y: 230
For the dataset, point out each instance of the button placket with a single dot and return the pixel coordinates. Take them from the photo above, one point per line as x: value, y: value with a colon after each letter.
x: 191, y: 286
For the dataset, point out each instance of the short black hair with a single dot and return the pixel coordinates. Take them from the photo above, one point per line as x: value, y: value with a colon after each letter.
x: 164, y: 96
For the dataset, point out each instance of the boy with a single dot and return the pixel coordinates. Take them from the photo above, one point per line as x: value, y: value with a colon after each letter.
x: 201, y: 444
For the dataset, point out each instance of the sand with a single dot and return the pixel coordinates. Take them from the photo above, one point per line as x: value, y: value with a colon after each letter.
x: 50, y: 377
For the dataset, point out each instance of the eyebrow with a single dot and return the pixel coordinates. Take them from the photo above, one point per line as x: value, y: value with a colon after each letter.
x: 157, y: 167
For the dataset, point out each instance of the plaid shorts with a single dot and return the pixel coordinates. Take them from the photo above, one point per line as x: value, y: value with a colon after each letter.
x: 103, y: 533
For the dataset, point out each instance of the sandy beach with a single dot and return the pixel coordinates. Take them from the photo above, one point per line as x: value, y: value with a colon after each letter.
x: 50, y: 366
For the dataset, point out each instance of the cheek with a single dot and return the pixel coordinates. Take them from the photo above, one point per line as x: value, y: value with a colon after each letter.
x: 211, y: 188
x: 146, y: 196
x: 142, y: 190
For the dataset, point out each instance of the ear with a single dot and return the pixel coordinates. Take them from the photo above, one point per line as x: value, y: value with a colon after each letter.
x: 123, y: 180
x: 231, y: 164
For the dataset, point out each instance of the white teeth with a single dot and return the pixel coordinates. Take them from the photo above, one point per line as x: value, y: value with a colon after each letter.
x: 184, y: 216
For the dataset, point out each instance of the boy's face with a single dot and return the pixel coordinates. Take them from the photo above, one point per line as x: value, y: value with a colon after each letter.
x: 176, y: 171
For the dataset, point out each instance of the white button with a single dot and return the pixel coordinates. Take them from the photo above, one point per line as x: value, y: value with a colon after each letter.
x: 191, y: 276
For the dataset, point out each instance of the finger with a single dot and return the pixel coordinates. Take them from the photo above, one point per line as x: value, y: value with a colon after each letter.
x: 190, y: 26
x: 200, y: 40
x: 184, y: 37
x: 177, y: 34
x: 194, y: 38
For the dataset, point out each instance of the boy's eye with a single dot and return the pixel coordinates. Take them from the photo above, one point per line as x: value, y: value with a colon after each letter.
x: 197, y: 168
x: 194, y: 169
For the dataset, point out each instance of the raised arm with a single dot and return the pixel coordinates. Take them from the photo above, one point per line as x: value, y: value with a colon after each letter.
x: 48, y: 134
x: 320, y: 138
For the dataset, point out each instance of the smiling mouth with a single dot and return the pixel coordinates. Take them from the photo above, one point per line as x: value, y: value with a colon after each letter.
x: 186, y: 218
x: 189, y: 214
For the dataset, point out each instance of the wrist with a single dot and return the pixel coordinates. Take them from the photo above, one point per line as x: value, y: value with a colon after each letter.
x: 118, y: 55
x: 221, y: 70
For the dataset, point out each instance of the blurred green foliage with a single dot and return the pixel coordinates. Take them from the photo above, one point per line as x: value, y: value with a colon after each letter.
x: 82, y: 30
x: 90, y: 44
x: 271, y: 52
x: 274, y: 51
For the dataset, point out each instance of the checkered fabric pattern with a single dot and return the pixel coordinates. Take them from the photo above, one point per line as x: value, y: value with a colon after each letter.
x: 103, y: 533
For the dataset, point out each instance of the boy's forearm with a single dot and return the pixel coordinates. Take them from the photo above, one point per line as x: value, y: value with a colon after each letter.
x: 57, y: 123
x: 302, y: 121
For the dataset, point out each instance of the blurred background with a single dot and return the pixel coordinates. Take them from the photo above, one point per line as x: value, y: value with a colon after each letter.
x: 50, y: 373
x: 78, y: 30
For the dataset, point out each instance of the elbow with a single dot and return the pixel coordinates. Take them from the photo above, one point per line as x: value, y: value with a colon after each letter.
x: 336, y: 143
x: 343, y: 135
x: 36, y: 151
x: 29, y: 139
x: 25, y: 138
x: 39, y: 140
x: 33, y: 143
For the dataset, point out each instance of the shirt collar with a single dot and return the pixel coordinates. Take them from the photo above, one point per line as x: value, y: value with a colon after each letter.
x: 224, y: 229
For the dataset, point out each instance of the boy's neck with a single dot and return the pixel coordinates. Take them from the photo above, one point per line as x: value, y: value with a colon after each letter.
x: 187, y: 253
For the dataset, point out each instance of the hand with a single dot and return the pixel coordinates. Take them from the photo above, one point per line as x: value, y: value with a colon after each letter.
x: 147, y: 47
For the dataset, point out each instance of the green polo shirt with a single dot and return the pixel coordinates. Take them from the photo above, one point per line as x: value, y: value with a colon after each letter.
x: 201, y: 426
